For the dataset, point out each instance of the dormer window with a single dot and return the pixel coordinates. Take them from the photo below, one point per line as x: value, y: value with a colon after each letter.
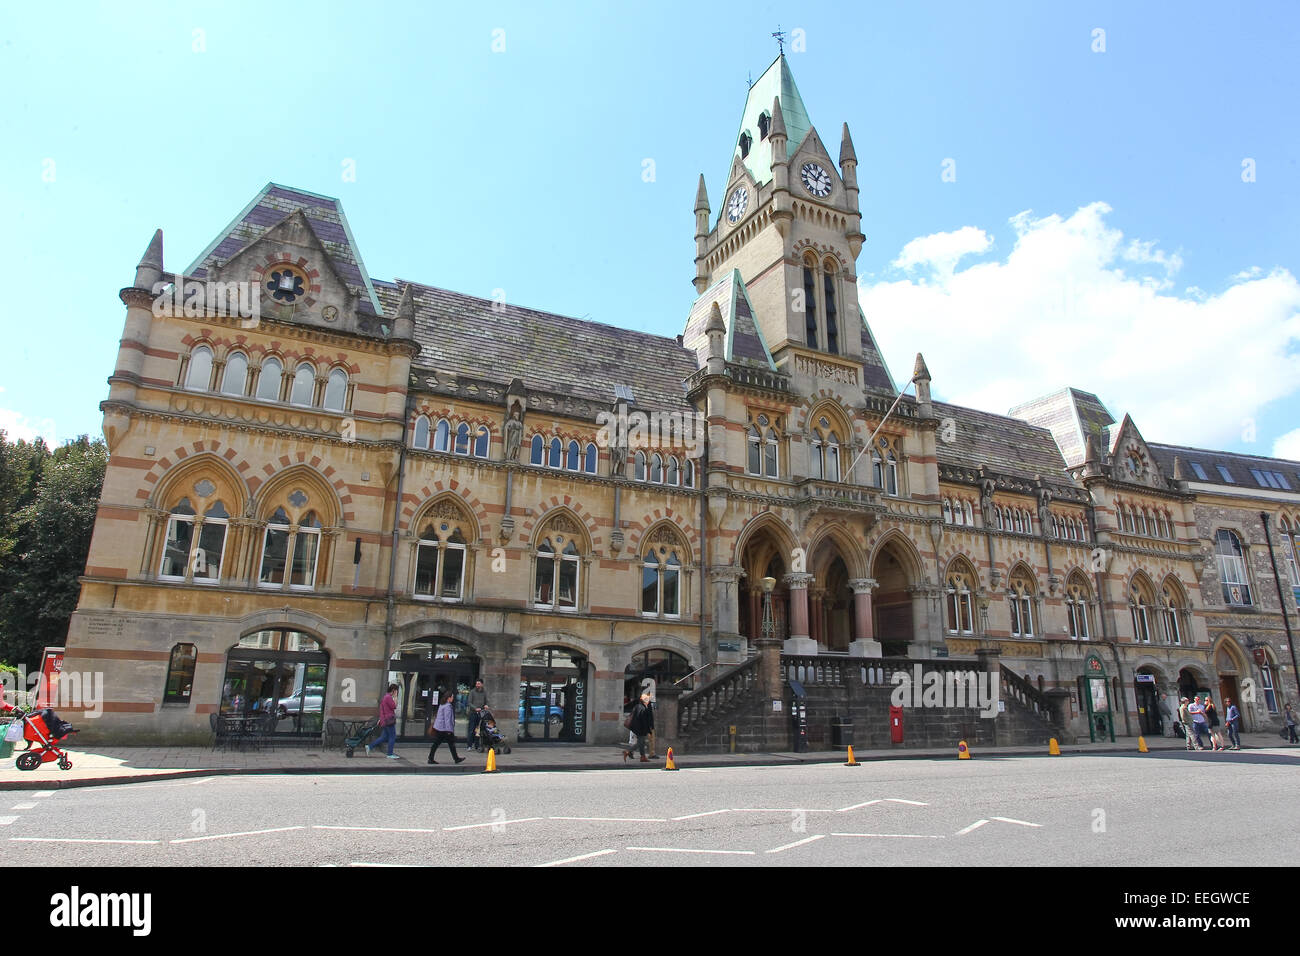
x: 745, y: 142
x: 764, y: 124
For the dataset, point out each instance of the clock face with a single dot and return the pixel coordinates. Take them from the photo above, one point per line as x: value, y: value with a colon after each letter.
x: 816, y: 180
x: 737, y: 203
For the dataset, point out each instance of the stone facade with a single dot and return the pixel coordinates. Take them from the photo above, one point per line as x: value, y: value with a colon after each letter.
x: 616, y: 497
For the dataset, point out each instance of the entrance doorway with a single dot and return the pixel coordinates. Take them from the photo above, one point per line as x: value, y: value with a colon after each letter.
x: 424, y: 671
x: 553, y: 696
x: 1150, y: 719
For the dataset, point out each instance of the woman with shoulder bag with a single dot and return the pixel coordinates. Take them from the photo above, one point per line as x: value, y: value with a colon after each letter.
x: 444, y: 728
x: 640, y: 722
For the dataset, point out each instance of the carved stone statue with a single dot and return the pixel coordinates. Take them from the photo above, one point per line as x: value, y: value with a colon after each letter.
x: 617, y: 450
x: 514, y: 433
x: 986, y: 501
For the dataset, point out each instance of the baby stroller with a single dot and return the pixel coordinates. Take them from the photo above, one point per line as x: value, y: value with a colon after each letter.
x: 44, y: 730
x: 489, y: 737
x: 352, y: 743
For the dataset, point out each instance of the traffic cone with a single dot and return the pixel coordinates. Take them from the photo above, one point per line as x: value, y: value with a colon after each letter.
x: 963, y: 752
x: 1054, y: 748
x: 492, y: 762
x: 852, y: 761
x: 670, y: 765
x: 1142, y: 745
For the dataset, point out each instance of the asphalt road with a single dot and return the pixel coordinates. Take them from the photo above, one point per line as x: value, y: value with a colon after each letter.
x: 1158, y: 809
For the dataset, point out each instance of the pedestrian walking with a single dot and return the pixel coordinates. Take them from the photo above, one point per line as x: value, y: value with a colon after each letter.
x: 1233, y: 716
x: 387, y: 723
x: 444, y: 728
x: 478, y: 699
x: 1167, y: 716
x: 1199, y: 726
x: 1290, y: 725
x: 1212, y: 719
x: 641, y: 721
x: 1185, y: 722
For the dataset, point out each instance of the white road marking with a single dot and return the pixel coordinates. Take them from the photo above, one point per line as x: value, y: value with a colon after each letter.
x: 791, y: 846
x: 376, y: 864
x: 615, y: 819
x: 778, y: 810
x: 979, y: 823
x: 974, y: 826
x: 910, y: 803
x: 5, y: 821
x: 670, y: 849
x: 706, y: 813
x: 856, y: 806
x: 224, y: 836
x: 575, y: 859
x: 381, y: 829
x: 43, y: 793
x: 1019, y: 822
x: 894, y: 836
x: 495, y: 823
x: 72, y: 840
x: 22, y: 806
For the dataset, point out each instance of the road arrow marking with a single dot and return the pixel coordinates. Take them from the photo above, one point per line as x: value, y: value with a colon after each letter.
x: 791, y: 846
x: 979, y: 823
x: 974, y: 826
x: 575, y: 859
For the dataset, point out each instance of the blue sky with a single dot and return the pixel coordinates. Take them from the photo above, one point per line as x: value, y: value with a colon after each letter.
x: 1098, y: 232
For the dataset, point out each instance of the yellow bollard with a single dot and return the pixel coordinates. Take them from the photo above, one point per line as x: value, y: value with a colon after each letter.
x: 670, y: 765
x: 963, y: 752
x: 1054, y: 748
x: 1142, y: 745
x: 491, y: 763
x: 852, y: 761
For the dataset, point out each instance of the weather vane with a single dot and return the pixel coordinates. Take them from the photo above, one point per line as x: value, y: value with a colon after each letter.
x: 780, y: 40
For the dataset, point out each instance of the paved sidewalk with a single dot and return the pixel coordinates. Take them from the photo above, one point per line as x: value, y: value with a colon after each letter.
x: 112, y: 765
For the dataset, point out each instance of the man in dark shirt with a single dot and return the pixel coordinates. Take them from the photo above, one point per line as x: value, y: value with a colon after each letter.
x: 477, y: 701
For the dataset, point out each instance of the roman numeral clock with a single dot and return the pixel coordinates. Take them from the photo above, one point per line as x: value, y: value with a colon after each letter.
x: 737, y: 203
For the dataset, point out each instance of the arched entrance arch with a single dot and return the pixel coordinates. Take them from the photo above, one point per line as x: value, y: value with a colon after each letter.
x: 1192, y: 682
x: 1148, y: 683
x: 831, y: 602
x: 766, y: 552
x: 424, y: 668
x: 895, y: 570
x: 276, y: 680
x: 1232, y: 667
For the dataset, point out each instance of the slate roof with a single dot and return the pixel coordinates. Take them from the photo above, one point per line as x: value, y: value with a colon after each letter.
x: 465, y: 335
x: 271, y: 206
x: 1071, y: 415
x: 1007, y: 445
x: 1239, y: 466
x: 744, y: 342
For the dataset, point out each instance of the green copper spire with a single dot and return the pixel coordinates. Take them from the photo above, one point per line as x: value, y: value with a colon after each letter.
x: 777, y: 82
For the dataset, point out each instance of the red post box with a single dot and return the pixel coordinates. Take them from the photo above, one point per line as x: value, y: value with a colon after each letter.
x: 895, y: 725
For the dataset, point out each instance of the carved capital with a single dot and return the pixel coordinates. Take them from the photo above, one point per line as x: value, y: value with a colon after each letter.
x: 863, y: 585
x: 796, y: 581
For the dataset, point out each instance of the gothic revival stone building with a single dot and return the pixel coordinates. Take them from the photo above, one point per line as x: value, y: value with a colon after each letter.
x: 361, y: 480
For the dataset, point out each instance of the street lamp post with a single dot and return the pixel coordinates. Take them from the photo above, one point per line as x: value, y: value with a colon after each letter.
x: 769, y: 626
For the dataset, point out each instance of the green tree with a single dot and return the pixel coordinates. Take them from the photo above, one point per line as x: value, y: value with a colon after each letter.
x: 51, y: 542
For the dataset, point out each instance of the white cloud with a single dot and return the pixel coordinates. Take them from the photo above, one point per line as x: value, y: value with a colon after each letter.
x: 18, y: 426
x: 1288, y: 445
x: 1074, y: 303
x: 943, y: 250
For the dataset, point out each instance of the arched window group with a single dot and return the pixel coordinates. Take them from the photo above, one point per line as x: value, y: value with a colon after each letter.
x: 1232, y: 569
x: 959, y: 512
x: 661, y: 575
x: 290, y: 548
x: 1141, y: 606
x: 460, y: 439
x: 194, y: 544
x: 884, y: 466
x: 960, y: 582
x: 762, y: 440
x: 1170, y: 612
x: 1077, y: 596
x: 1067, y: 527
x: 1019, y: 520
x: 440, y: 562
x: 234, y: 374
x: 1020, y: 599
x: 827, y: 458
x: 820, y: 292
x: 663, y: 470
x: 565, y: 457
x: 1140, y: 519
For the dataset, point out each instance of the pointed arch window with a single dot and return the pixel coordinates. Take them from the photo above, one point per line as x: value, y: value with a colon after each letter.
x: 656, y: 469
x: 997, y: 517
x: 1020, y: 598
x: 1169, y: 615
x: 1076, y: 608
x: 673, y: 474
x: 558, y: 574
x: 832, y: 327
x: 810, y: 304
x: 745, y: 142
x: 440, y: 563
x: 198, y: 376
x: 235, y: 379
x: 442, y: 436
x: 688, y: 474
x: 462, y: 439
x: 661, y: 583
x: 1140, y: 606
x: 969, y: 513
x: 420, y: 439
x: 755, y: 461
x: 482, y: 442
x: 557, y: 452
x: 770, y: 466
x: 947, y: 510
x: 336, y: 390
x: 639, y: 466
x: 572, y: 458
x: 536, y: 451
x: 764, y: 124
x: 269, y: 380
x: 280, y: 541
x: 179, y: 542
x: 304, y: 383
x: 961, y: 617
x: 1232, y: 569
x: 589, y: 459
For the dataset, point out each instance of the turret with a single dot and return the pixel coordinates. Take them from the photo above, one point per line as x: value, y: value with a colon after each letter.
x: 404, y: 323
x: 149, y: 271
x: 139, y: 300
x: 782, y: 212
x: 701, y: 236
x: 716, y: 330
x: 921, y: 376
x: 849, y: 175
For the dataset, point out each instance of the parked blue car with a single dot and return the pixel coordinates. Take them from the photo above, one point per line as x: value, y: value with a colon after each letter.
x: 538, y: 711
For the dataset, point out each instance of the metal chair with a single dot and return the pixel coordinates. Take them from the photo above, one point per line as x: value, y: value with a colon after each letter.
x: 334, y: 734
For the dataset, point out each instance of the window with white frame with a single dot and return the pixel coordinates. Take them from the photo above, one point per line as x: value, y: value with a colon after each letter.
x: 304, y: 384
x: 556, y: 579
x: 234, y: 380
x: 1169, y: 613
x: 442, y: 435
x: 440, y: 562
x: 198, y: 376
x: 270, y: 379
x: 661, y: 572
x: 1232, y: 569
x: 961, y: 615
x: 336, y: 390
x: 190, y: 557
x: 1020, y: 598
x: 1141, y: 602
x: 1290, y: 544
x: 420, y: 439
x: 290, y: 552
x: 1076, y: 608
x: 762, y: 458
x: 536, y: 451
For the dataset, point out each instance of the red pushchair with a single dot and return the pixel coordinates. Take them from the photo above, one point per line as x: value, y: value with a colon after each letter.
x: 44, y: 730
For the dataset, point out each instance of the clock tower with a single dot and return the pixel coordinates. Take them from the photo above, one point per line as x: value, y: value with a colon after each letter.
x: 789, y: 231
